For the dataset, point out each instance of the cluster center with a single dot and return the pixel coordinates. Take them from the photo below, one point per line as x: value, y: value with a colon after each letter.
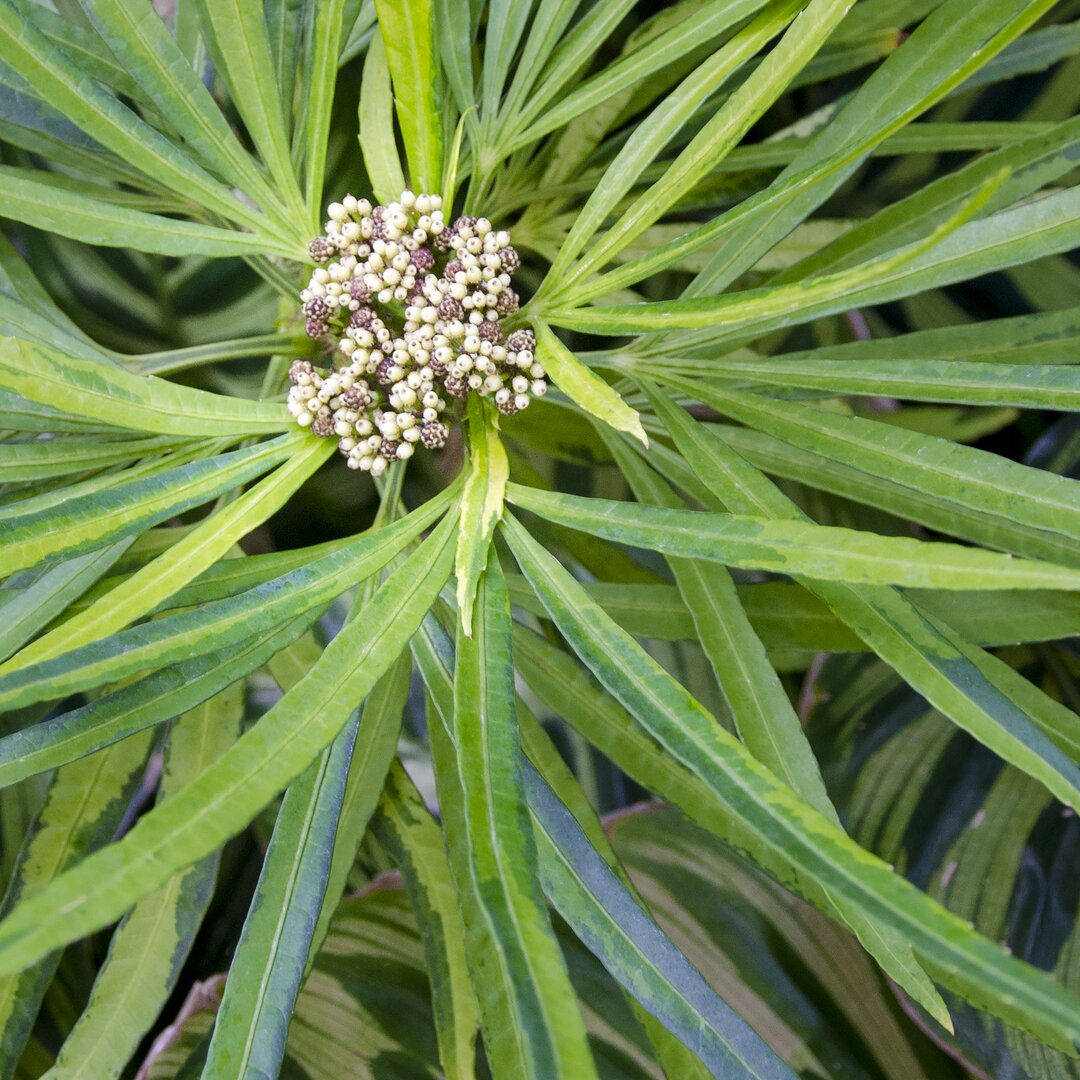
x: 412, y: 309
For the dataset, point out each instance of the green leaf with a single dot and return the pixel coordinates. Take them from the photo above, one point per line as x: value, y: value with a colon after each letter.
x: 265, y: 975
x: 242, y: 51
x: 228, y: 794
x: 506, y: 23
x: 322, y: 78
x: 705, y: 23
x: 1033, y: 162
x: 759, y: 704
x: 782, y: 459
x: 564, y: 688
x: 407, y: 28
x: 955, y: 40
x: 977, y: 691
x: 147, y: 948
x: 28, y: 311
x: 82, y: 809
x: 26, y: 610
x: 575, y: 51
x: 731, y: 121
x: 112, y: 396
x: 169, y: 360
x: 85, y: 49
x: 140, y: 38
x: 1029, y: 511
x: 56, y: 457
x: 584, y: 386
x: 532, y: 1026
x: 454, y: 34
x: 1044, y: 227
x: 409, y: 833
x: 210, y: 626
x: 1046, y: 337
x: 653, y: 134
x: 822, y: 552
x: 789, y: 303
x: 51, y: 496
x: 141, y: 705
x: 169, y: 572
x: 378, y: 141
x: 614, y: 925
x: 82, y: 100
x: 284, y: 31
x: 786, y: 616
x: 373, y: 754
x: 783, y: 966
x: 675, y: 1058
x: 83, y: 523
x: 1025, y: 386
x: 783, y: 832
x: 92, y: 221
x: 481, y: 504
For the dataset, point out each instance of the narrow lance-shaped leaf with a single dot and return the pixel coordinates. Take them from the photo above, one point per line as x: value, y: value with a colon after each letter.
x: 481, y: 503
x: 533, y: 88
x: 1025, y: 386
x: 407, y: 28
x: 954, y: 41
x: 373, y: 754
x: 82, y: 809
x: 760, y: 707
x: 242, y: 51
x: 999, y: 502
x: 266, y: 972
x: 81, y: 99
x: 25, y: 611
x: 673, y: 1056
x: 378, y: 141
x: 1046, y: 226
x: 322, y: 79
x: 114, y: 396
x: 185, y: 560
x: 1033, y: 162
x: 805, y: 298
x: 614, y: 925
x: 143, y: 964
x: 823, y: 552
x: 407, y: 830
x: 583, y: 386
x: 699, y: 23
x: 784, y: 833
x: 570, y: 692
x: 657, y: 130
x: 454, y: 34
x: 976, y: 690
x: 140, y: 37
x: 85, y: 522
x: 731, y: 121
x: 228, y: 794
x: 531, y: 1022
x: 786, y: 616
x: 93, y: 221
x: 41, y: 459
x: 193, y: 650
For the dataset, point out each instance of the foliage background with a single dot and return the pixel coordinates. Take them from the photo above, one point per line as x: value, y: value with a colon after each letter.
x: 877, y: 308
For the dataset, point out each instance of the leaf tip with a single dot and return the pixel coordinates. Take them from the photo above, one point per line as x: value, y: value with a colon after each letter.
x: 635, y: 428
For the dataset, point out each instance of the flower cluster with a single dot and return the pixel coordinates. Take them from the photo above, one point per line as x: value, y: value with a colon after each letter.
x: 415, y: 307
